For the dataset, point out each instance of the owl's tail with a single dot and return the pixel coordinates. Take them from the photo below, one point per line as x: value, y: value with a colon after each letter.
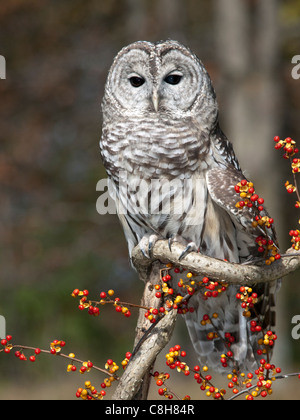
x: 218, y: 326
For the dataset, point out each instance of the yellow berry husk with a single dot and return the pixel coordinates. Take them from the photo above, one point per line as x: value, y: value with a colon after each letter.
x: 87, y: 384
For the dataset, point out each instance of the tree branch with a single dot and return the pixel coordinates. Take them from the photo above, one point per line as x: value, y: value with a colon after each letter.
x: 218, y: 270
x: 135, y: 381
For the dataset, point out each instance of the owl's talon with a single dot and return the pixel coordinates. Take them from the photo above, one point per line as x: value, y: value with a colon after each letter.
x: 190, y: 248
x: 173, y: 238
x: 146, y: 245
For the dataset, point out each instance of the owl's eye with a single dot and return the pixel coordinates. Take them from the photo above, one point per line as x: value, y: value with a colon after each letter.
x: 136, y: 81
x: 173, y: 79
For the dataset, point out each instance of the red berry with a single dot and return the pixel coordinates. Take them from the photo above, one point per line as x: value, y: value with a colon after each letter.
x: 161, y: 391
x: 37, y: 351
x: 32, y: 358
x: 102, y: 295
x: 8, y: 337
x: 3, y: 342
x: 53, y: 351
x: 263, y: 394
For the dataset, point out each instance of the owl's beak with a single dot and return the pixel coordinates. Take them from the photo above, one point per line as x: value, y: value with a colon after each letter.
x: 155, y: 100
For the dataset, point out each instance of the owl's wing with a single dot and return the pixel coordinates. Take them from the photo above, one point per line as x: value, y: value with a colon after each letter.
x: 220, y: 184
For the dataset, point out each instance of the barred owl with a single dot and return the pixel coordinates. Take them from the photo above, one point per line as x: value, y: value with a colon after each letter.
x: 161, y: 129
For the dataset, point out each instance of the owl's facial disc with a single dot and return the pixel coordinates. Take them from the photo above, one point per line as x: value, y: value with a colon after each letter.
x: 156, y: 79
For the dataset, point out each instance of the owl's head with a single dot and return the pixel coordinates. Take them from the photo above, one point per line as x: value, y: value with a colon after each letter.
x: 165, y: 77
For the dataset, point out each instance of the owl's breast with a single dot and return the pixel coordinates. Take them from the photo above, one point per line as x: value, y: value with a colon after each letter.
x: 154, y: 148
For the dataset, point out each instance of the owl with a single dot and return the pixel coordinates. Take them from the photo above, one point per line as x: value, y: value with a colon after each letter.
x: 172, y: 173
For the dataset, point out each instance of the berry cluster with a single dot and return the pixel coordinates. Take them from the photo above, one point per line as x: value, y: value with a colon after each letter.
x: 290, y: 148
x: 268, y: 249
x: 89, y: 392
x: 56, y: 345
x: 5, y: 342
x: 288, y: 145
x: 295, y: 234
x: 174, y: 361
x: 290, y: 187
x: 248, y: 299
x: 250, y: 199
x: 105, y: 298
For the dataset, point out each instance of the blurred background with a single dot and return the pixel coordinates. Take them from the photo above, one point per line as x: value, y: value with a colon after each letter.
x: 52, y: 239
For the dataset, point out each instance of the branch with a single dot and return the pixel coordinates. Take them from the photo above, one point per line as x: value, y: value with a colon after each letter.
x: 218, y: 270
x: 149, y: 342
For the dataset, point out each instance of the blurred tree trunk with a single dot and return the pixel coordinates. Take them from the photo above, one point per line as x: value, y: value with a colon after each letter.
x: 248, y: 52
x: 249, y: 91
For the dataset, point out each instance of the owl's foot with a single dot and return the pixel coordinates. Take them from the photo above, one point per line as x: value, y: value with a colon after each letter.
x: 147, y: 243
x: 191, y: 247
